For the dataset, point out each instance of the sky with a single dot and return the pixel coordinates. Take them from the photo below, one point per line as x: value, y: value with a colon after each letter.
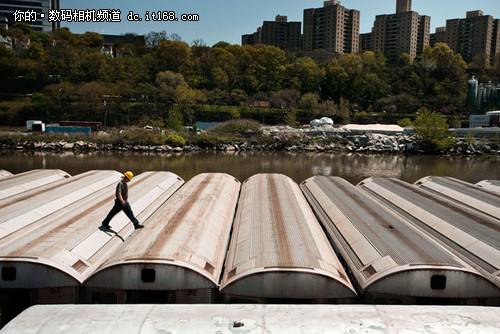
x: 227, y: 20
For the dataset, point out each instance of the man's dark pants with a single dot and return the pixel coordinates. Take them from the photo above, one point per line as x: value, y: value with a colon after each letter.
x: 117, y: 208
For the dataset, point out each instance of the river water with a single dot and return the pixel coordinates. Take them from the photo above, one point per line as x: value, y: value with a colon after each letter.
x: 299, y: 166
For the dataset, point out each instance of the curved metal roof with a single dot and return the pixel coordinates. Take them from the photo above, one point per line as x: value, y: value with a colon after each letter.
x: 462, y: 192
x: 278, y: 249
x: 183, y: 244
x: 26, y: 208
x: 473, y: 236
x: 241, y: 318
x: 4, y: 173
x: 385, y: 253
x: 19, y: 183
x: 63, y: 248
x: 491, y: 185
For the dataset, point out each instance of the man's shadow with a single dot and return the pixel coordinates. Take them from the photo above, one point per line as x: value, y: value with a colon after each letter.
x: 110, y: 231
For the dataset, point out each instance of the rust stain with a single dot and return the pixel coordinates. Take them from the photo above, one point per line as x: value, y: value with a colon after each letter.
x: 391, y: 231
x: 278, y: 223
x: 177, y: 219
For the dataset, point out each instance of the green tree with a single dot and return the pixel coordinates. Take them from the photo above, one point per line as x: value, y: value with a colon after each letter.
x: 92, y: 102
x: 90, y: 41
x: 269, y: 65
x: 309, y: 101
x: 43, y: 107
x: 432, y: 128
x: 170, y: 55
x: 334, y: 81
x: 304, y: 75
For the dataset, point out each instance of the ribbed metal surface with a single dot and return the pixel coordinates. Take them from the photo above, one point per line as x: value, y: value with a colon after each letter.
x: 21, y: 210
x: 195, y: 296
x: 63, y: 295
x: 278, y: 249
x: 4, y: 173
x: 473, y: 236
x: 66, y: 246
x: 19, y: 183
x: 491, y: 185
x: 183, y: 244
x: 462, y: 192
x: 384, y: 252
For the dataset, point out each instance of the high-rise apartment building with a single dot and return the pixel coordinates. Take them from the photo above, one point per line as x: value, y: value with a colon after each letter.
x: 473, y: 35
x: 438, y: 37
x: 8, y: 7
x: 252, y: 39
x: 331, y: 28
x: 403, y: 32
x: 403, y: 6
x: 280, y: 33
x: 283, y: 34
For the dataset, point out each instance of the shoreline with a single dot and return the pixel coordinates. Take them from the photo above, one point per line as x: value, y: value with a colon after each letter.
x: 366, y: 143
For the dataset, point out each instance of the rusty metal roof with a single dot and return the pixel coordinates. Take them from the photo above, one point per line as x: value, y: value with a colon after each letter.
x: 22, y: 182
x: 491, y: 185
x: 473, y: 236
x: 4, y: 173
x: 253, y: 319
x: 65, y: 245
x: 184, y: 242
x: 278, y: 249
x: 385, y: 253
x: 462, y: 192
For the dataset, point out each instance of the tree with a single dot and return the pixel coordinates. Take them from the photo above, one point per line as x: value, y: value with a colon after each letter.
x: 91, y: 40
x: 432, y: 128
x: 43, y: 107
x: 269, y: 65
x: 303, y: 75
x: 94, y: 66
x: 186, y: 99
x: 309, y: 101
x: 154, y: 39
x: 170, y: 55
x: 91, y: 97
x: 285, y: 98
x: 62, y: 95
x: 24, y: 27
x: 334, y: 81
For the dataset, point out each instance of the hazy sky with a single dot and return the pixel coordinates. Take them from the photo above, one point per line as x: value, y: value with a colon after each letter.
x: 227, y: 20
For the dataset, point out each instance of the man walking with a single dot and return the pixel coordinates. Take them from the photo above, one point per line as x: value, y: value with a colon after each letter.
x: 121, y: 202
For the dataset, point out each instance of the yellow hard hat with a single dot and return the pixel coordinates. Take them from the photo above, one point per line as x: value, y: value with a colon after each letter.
x: 129, y: 174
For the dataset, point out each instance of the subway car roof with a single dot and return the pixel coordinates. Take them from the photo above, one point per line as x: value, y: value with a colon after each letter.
x: 491, y: 185
x: 462, y: 192
x: 386, y: 254
x: 183, y: 244
x: 4, y: 173
x: 65, y: 246
x: 473, y: 236
x: 22, y: 210
x: 278, y: 249
x: 22, y: 182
